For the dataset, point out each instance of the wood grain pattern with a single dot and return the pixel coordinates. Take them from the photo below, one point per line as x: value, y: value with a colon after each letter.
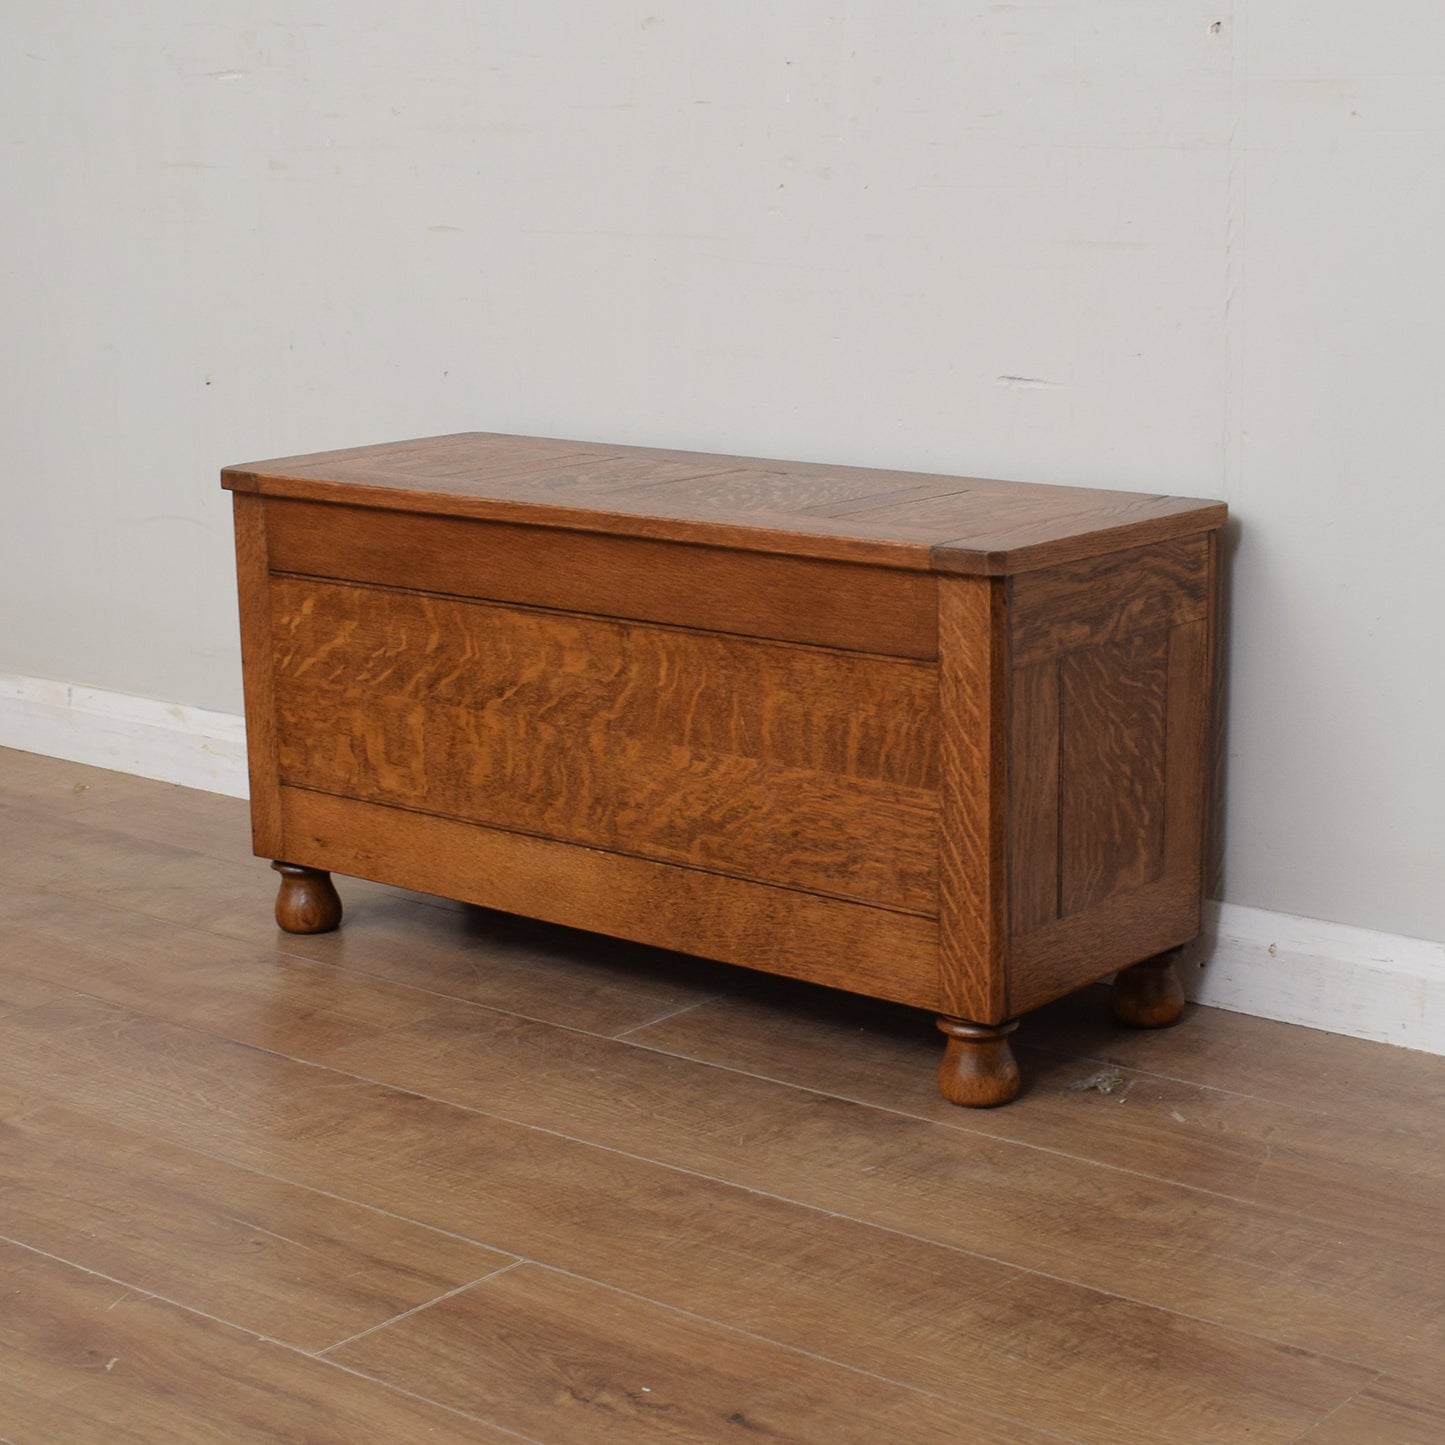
x: 290, y: 1263
x: 252, y: 993
x: 61, y: 788
x: 1111, y: 769
x: 1285, y: 1276
x: 1186, y: 775
x: 1337, y: 1166
x: 1033, y: 786
x: 1284, y: 1178
x: 124, y: 930
x: 787, y: 765
x: 779, y: 491
x: 468, y: 477
x: 1109, y: 741
x: 935, y: 1317
x: 1349, y: 1087
x: 1050, y: 538
x: 830, y: 604
x: 1386, y: 1412
x: 1125, y: 929
x: 253, y: 583
x: 972, y: 799
x: 846, y: 945
x: 578, y: 1364
x: 1105, y: 599
x: 741, y: 705
x: 87, y: 1361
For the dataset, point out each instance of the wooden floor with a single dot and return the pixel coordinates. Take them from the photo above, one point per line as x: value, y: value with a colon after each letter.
x: 450, y: 1176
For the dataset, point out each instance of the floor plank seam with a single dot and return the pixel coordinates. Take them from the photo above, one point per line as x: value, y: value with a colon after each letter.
x: 621, y: 1038
x: 252, y: 1170
x: 761, y: 1193
x: 1309, y: 1430
x: 961, y: 1126
x: 858, y: 1220
x: 417, y: 1309
x: 787, y: 1199
x: 278, y: 950
x: 314, y: 1356
x: 342, y: 971
x: 802, y: 1353
x: 422, y: 1399
x: 144, y: 1293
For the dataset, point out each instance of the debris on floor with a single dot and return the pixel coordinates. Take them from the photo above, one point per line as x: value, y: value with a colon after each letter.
x: 1106, y: 1081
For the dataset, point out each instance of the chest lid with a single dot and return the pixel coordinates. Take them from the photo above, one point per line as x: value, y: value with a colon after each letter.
x: 913, y: 520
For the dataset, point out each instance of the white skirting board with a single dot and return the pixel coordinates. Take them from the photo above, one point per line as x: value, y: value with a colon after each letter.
x: 1325, y: 975
x: 1301, y: 970
x: 138, y: 735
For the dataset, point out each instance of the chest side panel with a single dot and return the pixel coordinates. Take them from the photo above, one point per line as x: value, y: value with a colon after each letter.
x: 1109, y: 693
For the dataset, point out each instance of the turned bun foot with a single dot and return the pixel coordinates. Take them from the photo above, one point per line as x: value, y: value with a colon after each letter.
x: 307, y: 901
x: 1149, y: 995
x: 978, y: 1068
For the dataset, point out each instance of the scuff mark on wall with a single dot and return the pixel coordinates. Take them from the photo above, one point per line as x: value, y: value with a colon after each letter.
x: 1030, y: 383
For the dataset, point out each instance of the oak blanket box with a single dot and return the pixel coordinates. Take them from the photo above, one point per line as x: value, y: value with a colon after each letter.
x: 931, y: 739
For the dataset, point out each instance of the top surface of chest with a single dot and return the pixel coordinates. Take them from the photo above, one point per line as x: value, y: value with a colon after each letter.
x: 910, y: 520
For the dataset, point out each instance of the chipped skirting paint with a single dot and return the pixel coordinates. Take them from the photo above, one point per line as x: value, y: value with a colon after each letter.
x: 138, y: 735
x: 1324, y: 975
x: 1307, y: 971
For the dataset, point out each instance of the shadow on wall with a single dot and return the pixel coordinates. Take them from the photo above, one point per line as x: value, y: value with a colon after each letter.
x: 1229, y: 538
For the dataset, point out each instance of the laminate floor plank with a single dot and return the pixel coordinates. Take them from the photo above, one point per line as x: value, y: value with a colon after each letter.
x: 235, y: 990
x: 62, y: 788
x: 742, y: 1184
x: 561, y: 975
x: 176, y: 817
x: 1373, y: 1085
x: 287, y: 1262
x: 929, y: 1316
x: 22, y: 991
x: 1339, y: 1170
x: 84, y: 1361
x: 573, y: 1362
x: 1385, y: 1412
x: 1318, y: 1286
x: 143, y: 810
x: 489, y: 958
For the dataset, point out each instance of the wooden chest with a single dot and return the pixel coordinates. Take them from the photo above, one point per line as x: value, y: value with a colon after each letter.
x: 932, y: 739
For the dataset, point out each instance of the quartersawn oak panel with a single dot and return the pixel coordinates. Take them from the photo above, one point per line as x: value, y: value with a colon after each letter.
x: 825, y: 940
x: 972, y: 723
x: 1033, y: 784
x: 1061, y: 956
x: 795, y: 599
x: 1103, y: 599
x: 987, y: 527
x: 1111, y: 768
x: 250, y: 514
x: 790, y: 765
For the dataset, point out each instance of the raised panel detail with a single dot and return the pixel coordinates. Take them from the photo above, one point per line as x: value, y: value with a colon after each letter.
x: 792, y: 765
x: 1112, y: 703
x: 1033, y: 782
